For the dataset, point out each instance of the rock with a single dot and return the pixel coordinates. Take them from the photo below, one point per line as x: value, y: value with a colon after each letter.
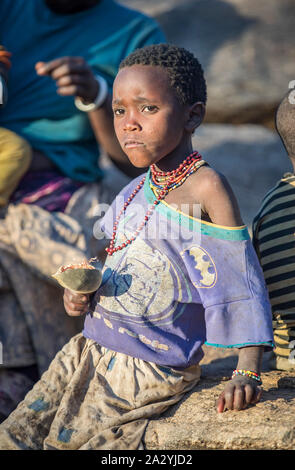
x: 195, y: 424
x: 251, y: 157
x: 246, y: 48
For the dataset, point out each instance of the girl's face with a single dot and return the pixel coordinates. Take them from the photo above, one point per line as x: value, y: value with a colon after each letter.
x: 149, y: 121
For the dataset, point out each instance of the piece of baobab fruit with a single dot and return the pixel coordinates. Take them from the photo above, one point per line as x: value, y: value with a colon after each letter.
x: 82, y: 277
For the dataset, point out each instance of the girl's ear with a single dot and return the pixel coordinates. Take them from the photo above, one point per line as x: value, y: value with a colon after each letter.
x: 196, y: 114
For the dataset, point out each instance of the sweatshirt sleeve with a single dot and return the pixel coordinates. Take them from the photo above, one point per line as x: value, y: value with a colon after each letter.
x: 231, y: 286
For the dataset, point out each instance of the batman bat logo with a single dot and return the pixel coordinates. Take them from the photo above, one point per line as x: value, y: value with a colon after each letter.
x: 205, y: 266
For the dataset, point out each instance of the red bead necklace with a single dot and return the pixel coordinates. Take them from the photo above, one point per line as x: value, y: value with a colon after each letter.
x: 162, y: 182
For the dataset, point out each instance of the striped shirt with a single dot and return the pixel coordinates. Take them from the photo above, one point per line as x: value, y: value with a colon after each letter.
x: 274, y: 242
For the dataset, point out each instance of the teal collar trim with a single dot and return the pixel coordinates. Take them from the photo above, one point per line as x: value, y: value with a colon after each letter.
x: 194, y: 224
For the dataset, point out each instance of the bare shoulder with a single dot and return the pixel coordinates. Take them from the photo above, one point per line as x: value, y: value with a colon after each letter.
x: 210, y: 183
x: 208, y: 175
x: 217, y: 198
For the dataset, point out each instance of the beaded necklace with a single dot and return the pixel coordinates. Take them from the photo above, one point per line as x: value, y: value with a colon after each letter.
x: 162, y: 182
x: 160, y: 179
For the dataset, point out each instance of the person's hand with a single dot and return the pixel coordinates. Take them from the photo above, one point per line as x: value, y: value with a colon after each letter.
x: 76, y: 304
x: 73, y: 77
x: 239, y: 392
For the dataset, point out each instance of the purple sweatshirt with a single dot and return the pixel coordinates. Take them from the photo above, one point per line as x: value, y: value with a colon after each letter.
x: 183, y: 282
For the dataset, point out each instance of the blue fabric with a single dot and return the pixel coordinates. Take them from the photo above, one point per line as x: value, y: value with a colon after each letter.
x: 103, y: 35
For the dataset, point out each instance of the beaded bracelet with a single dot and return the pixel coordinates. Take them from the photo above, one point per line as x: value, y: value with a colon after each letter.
x: 247, y: 373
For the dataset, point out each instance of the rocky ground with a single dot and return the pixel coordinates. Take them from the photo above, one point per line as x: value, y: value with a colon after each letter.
x: 195, y: 423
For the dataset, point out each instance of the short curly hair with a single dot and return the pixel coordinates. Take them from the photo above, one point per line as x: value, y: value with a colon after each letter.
x: 184, y: 70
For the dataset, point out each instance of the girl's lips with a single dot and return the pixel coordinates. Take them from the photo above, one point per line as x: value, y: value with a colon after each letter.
x: 132, y: 144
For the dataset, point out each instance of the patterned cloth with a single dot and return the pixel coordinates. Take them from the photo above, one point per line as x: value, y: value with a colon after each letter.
x: 80, y: 403
x: 14, y: 385
x: 181, y: 283
x: 273, y: 238
x: 47, y: 189
x: 34, y: 243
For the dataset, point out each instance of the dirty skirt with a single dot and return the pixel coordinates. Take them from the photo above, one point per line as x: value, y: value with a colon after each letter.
x: 92, y: 398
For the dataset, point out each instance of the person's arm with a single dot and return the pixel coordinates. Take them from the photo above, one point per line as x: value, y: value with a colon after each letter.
x: 242, y: 390
x: 217, y: 199
x: 74, y: 77
x: 219, y: 203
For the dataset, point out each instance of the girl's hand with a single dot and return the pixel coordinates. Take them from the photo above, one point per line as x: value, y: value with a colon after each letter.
x: 239, y: 392
x: 76, y: 304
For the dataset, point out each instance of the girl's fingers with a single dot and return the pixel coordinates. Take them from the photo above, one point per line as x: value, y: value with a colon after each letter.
x: 238, y: 397
x: 220, y: 403
x: 74, y: 309
x: 74, y: 297
x: 75, y: 313
x: 229, y: 398
x: 257, y: 395
x: 249, y: 395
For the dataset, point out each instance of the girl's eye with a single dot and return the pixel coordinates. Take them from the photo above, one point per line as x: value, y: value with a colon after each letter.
x: 150, y: 108
x: 118, y: 112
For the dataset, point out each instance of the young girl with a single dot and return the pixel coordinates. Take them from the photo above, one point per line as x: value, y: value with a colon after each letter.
x: 171, y: 280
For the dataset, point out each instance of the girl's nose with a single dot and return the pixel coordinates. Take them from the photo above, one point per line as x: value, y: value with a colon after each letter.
x: 132, y: 125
